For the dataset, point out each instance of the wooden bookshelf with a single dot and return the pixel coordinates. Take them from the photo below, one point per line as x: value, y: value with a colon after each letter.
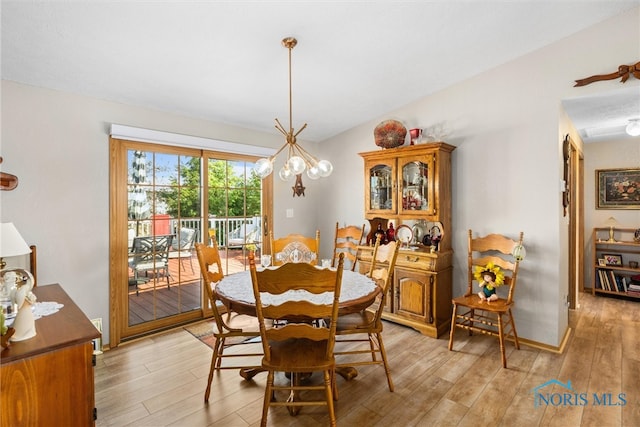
x: 615, y: 262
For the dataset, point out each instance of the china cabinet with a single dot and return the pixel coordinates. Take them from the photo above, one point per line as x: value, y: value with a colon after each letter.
x: 411, y: 185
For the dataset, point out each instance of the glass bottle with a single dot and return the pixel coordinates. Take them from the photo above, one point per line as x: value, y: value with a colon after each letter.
x: 380, y: 232
x: 391, y: 233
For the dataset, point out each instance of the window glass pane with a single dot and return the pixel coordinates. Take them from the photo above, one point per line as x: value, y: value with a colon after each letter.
x: 165, y: 169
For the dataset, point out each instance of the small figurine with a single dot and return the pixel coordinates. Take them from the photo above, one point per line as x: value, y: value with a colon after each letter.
x: 489, y: 278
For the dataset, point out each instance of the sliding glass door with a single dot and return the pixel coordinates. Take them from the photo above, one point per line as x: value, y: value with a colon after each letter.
x: 164, y: 200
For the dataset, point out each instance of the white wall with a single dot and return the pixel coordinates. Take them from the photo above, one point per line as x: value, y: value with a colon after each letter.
x: 57, y: 145
x: 606, y: 155
x: 506, y: 169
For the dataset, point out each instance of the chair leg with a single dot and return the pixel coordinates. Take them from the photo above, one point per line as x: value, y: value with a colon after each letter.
x: 501, y: 337
x: 267, y: 398
x: 513, y: 328
x: 372, y: 347
x: 215, y: 364
x: 453, y: 326
x: 383, y: 354
x: 328, y: 386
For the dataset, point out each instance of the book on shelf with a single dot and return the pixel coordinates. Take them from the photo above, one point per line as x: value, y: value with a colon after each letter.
x: 604, y: 279
x: 618, y: 281
x: 633, y: 288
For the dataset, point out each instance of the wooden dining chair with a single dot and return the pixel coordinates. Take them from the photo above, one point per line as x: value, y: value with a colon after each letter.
x: 295, y: 248
x: 347, y: 239
x: 224, y: 333
x: 366, y: 326
x: 499, y: 255
x: 301, y: 345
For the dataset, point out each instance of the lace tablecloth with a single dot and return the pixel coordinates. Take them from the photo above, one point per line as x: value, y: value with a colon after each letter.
x: 238, y: 287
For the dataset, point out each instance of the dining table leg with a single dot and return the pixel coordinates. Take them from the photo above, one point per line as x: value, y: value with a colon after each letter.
x: 347, y: 372
x: 249, y: 373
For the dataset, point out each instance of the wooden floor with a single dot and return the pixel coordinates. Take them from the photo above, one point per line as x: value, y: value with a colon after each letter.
x: 160, y: 381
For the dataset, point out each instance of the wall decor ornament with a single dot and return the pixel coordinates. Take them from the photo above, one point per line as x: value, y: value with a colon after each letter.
x: 618, y: 189
x: 624, y: 71
x: 390, y: 134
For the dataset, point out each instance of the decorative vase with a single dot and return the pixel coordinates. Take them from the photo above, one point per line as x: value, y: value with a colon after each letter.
x: 390, y: 134
x: 391, y: 233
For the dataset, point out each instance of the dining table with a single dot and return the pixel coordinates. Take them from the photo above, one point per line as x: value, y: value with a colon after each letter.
x: 357, y: 292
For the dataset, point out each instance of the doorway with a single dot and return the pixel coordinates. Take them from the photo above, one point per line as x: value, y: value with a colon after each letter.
x: 164, y: 200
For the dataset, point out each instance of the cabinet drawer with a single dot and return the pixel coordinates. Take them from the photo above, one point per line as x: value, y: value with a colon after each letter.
x: 416, y: 261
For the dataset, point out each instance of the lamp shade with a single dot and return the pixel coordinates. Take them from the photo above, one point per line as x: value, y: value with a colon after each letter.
x: 11, y: 242
x: 611, y: 222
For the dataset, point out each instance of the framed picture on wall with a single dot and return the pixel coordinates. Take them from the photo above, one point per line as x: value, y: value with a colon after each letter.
x: 618, y: 189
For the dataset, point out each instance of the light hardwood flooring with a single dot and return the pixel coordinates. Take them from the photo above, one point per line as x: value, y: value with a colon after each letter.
x: 160, y: 381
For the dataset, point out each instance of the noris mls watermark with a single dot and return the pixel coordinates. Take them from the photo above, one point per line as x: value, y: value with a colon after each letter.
x: 568, y: 397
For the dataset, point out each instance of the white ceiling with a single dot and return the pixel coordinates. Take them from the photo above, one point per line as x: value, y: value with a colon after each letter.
x: 604, y: 116
x: 223, y: 61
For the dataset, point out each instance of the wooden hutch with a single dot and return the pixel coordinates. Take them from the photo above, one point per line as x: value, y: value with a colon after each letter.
x: 411, y: 187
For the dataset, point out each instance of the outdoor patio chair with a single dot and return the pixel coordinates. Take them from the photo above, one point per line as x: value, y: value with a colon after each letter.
x: 150, y: 253
x: 182, y: 247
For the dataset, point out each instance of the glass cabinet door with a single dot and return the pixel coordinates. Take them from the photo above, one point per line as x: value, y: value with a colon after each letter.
x: 416, y: 186
x: 380, y: 191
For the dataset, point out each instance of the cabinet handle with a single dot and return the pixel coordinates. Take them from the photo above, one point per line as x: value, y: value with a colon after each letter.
x: 416, y: 259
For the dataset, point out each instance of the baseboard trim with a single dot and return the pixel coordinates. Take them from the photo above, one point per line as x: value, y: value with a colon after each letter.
x: 551, y: 348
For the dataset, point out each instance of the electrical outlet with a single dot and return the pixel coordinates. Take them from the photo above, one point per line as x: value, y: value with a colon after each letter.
x: 289, y: 213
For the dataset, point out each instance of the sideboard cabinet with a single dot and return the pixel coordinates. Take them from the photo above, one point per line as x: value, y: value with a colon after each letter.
x: 410, y: 185
x: 48, y: 379
x: 420, y: 296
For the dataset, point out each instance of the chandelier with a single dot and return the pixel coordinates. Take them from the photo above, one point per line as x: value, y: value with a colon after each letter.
x: 298, y: 159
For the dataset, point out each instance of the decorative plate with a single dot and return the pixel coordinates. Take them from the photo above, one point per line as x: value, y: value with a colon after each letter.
x: 404, y: 234
x: 390, y: 134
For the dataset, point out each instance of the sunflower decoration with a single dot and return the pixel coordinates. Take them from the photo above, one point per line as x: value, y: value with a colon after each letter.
x: 489, y: 278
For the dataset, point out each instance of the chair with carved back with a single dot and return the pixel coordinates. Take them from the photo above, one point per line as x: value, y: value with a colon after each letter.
x: 238, y: 329
x: 366, y: 326
x: 493, y: 262
x: 295, y: 248
x: 347, y: 239
x: 300, y: 345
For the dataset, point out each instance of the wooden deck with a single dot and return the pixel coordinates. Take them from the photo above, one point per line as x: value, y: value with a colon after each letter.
x: 155, y: 300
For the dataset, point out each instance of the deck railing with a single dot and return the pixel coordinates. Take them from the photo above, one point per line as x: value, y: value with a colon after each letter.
x: 228, y: 231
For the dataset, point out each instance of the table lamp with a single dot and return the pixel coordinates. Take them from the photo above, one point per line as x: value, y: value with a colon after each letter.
x: 611, y: 222
x: 11, y: 243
